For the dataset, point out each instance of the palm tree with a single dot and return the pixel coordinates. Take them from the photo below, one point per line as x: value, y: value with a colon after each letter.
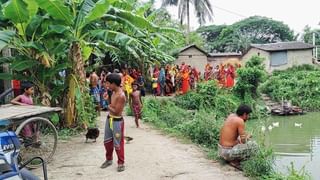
x: 203, y: 10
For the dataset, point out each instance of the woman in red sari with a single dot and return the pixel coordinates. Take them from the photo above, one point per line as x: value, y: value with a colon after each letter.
x: 185, y: 80
x: 222, y: 78
x: 230, y: 74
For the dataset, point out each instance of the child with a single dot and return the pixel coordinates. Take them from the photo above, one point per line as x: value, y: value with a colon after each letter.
x: 136, y: 103
x: 114, y: 128
x: 141, y: 81
x: 25, y: 98
x: 155, y: 85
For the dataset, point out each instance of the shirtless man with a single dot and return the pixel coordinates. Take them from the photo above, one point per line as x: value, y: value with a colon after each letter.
x: 136, y: 103
x: 233, y: 144
x: 114, y: 129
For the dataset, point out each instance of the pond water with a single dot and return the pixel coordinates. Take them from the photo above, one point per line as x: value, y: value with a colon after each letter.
x: 294, y: 143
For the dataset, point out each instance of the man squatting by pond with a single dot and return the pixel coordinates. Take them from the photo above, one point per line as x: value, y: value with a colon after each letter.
x: 235, y: 144
x: 114, y: 128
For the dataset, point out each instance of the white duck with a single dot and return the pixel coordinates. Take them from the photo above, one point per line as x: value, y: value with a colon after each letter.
x: 298, y: 125
x: 263, y: 128
x: 275, y: 124
x: 270, y: 127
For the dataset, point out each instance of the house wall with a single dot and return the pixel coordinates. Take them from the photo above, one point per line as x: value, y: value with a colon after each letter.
x: 295, y: 57
x: 214, y: 61
x: 197, y: 59
x: 257, y: 52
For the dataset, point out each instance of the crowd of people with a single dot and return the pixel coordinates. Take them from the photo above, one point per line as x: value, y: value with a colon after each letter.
x: 174, y: 79
x: 179, y: 79
x: 224, y: 74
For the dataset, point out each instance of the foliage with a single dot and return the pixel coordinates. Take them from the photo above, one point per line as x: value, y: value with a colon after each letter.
x: 54, y: 118
x: 203, y: 9
x: 203, y: 129
x: 208, y: 96
x: 239, y: 36
x: 249, y: 78
x: 128, y: 111
x: 298, y: 84
x: 260, y: 164
x: 86, y: 110
x: 297, y: 174
x: 307, y: 35
x: 67, y: 133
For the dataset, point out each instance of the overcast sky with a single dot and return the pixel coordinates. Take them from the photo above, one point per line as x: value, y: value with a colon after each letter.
x: 296, y: 14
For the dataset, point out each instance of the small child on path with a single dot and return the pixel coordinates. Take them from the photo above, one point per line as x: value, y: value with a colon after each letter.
x: 136, y: 103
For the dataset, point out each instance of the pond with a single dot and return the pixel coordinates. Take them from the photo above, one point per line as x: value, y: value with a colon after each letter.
x: 297, y: 140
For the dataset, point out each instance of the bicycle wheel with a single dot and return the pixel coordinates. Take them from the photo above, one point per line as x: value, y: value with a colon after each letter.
x: 38, y: 137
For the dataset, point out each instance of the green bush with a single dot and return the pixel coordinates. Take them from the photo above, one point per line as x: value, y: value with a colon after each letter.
x: 173, y: 115
x: 128, y: 111
x: 260, y: 164
x: 203, y: 129
x: 86, y: 109
x: 249, y: 78
x: 203, y: 97
x: 300, y: 84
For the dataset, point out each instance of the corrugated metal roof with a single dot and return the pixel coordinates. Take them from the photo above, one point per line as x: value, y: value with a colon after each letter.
x: 294, y: 45
x: 224, y: 54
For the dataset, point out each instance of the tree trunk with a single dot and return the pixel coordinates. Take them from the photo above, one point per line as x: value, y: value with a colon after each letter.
x: 188, y: 22
x: 76, y: 78
x: 6, y: 52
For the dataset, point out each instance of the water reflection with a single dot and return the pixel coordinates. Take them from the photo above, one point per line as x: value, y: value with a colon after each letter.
x: 292, y: 143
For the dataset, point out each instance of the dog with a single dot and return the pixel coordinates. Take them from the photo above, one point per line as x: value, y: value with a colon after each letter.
x: 92, y: 133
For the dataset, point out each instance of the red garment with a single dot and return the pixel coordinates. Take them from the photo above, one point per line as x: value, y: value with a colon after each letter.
x: 185, y: 82
x: 222, y: 79
x: 108, y: 145
x: 137, y: 110
x: 16, y: 84
x: 230, y: 77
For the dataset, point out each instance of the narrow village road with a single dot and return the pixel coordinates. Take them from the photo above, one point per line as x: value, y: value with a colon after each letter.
x: 150, y: 156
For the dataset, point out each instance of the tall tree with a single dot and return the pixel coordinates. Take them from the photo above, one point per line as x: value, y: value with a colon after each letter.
x: 239, y: 36
x: 202, y: 9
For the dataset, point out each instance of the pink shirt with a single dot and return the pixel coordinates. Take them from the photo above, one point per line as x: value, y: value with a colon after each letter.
x: 27, y: 100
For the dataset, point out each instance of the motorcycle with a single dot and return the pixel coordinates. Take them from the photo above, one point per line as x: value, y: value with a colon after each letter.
x: 10, y: 169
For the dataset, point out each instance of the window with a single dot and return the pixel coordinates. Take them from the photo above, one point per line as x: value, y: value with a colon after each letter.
x: 279, y: 58
x: 190, y: 56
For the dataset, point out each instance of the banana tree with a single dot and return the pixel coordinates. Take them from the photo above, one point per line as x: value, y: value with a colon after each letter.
x: 49, y: 32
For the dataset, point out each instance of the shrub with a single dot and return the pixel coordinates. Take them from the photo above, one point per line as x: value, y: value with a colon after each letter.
x: 203, y: 97
x: 86, y: 109
x: 249, y: 78
x: 301, y: 85
x: 203, y: 129
x: 260, y: 164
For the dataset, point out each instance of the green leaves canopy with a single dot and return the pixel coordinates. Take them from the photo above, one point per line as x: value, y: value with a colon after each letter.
x: 239, y: 36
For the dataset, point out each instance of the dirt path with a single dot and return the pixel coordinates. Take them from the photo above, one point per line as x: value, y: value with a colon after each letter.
x: 150, y: 156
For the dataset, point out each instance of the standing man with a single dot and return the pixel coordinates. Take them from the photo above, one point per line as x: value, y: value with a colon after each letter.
x: 234, y: 145
x: 94, y: 89
x: 114, y: 129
